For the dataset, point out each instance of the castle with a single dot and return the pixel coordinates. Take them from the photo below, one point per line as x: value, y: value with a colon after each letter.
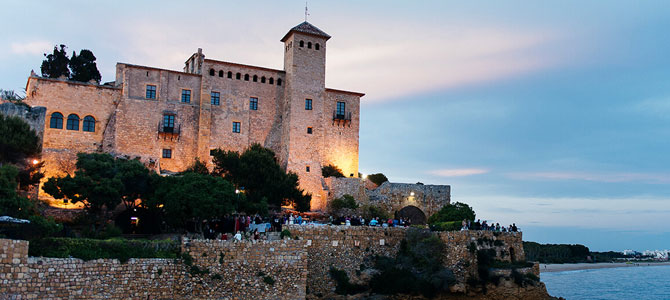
x: 168, y: 118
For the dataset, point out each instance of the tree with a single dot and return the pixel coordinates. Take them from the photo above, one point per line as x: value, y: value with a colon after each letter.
x: 17, y: 141
x: 56, y: 64
x: 258, y: 173
x: 452, y: 213
x: 378, y: 178
x: 331, y: 171
x: 197, y: 167
x: 12, y: 204
x: 194, y: 197
x: 102, y: 181
x: 83, y: 67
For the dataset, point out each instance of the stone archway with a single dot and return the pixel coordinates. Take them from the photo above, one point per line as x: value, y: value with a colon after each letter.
x: 413, y: 213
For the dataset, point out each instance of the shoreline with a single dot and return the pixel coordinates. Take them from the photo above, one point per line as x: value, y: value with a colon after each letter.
x: 549, y: 268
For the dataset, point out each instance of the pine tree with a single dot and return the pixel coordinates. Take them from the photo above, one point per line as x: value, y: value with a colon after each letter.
x: 84, y: 67
x: 56, y: 64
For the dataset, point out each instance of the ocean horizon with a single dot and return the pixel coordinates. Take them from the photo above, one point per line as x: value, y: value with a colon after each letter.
x: 639, y: 283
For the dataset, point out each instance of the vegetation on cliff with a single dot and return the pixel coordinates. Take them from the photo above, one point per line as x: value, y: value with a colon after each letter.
x: 556, y: 253
x: 449, y: 217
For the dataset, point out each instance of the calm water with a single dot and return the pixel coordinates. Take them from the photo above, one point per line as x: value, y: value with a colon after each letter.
x: 636, y: 283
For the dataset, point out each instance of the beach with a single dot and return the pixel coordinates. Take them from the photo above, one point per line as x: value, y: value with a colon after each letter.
x: 546, y: 268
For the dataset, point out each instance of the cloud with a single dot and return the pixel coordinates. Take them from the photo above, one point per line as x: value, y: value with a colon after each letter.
x: 611, y: 177
x: 33, y: 47
x: 458, y: 172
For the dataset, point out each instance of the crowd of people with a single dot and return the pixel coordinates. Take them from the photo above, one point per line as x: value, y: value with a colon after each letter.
x: 483, y: 225
x: 376, y: 221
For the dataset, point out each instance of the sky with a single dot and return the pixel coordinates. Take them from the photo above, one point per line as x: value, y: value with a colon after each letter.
x: 554, y: 115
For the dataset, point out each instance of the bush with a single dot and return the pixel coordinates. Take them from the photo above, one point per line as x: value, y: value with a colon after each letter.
x: 453, y: 212
x: 285, y: 233
x: 88, y: 249
x: 269, y: 280
x: 346, y: 201
x: 446, y: 226
x: 370, y: 211
x: 343, y: 286
x: 378, y: 178
x: 331, y: 171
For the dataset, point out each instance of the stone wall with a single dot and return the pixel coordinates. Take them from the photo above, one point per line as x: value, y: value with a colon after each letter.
x: 351, y: 248
x: 242, y: 269
x: 34, y: 116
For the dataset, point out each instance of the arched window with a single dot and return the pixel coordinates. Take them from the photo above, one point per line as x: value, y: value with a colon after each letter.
x: 316, y: 46
x: 246, y: 77
x: 221, y: 73
x: 309, y: 45
x: 72, y: 122
x: 302, y: 44
x: 238, y: 76
x: 263, y: 79
x: 272, y: 80
x: 89, y: 124
x: 56, y: 120
x: 211, y: 72
x: 278, y: 81
x: 230, y: 74
x: 255, y: 78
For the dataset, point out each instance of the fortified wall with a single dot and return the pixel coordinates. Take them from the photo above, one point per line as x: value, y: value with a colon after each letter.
x: 297, y: 269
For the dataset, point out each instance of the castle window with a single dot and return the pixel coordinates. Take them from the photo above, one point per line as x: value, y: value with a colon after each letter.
x: 302, y: 44
x: 272, y: 80
x: 167, y: 153
x: 168, y: 123
x: 89, y: 124
x: 340, y: 110
x: 230, y: 74
x: 253, y: 103
x: 308, y: 104
x: 309, y: 45
x: 211, y: 72
x: 263, y: 79
x: 309, y: 130
x: 72, y: 122
x: 56, y: 121
x: 255, y: 78
x: 215, y: 98
x: 220, y: 73
x: 307, y: 169
x: 236, y: 127
x: 278, y: 81
x: 316, y: 46
x: 246, y: 77
x: 238, y: 76
x: 186, y: 96
x: 151, y: 91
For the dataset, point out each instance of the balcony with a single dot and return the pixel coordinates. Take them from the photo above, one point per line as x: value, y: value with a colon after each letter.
x: 343, y: 118
x: 168, y: 132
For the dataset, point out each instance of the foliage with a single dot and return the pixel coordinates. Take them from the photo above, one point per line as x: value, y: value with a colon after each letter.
x: 378, y: 178
x: 453, y: 212
x: 416, y: 269
x: 10, y: 95
x: 38, y: 227
x: 197, y: 167
x: 269, y: 280
x: 80, y: 67
x: 18, y: 141
x: 331, y: 171
x: 194, y: 197
x: 552, y: 253
x: 370, y: 211
x: 264, y: 181
x: 346, y: 201
x: 446, y: 226
x: 102, y: 181
x: 56, y: 64
x: 285, y: 233
x: 343, y: 286
x: 89, y: 249
x: 12, y: 204
x: 83, y: 67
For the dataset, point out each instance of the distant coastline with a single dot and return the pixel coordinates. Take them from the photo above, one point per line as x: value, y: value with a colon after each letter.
x: 547, y: 268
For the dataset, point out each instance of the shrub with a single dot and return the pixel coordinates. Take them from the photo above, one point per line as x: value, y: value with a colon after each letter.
x: 285, y: 233
x: 269, y: 280
x: 378, y: 178
x: 346, y: 201
x: 453, y: 212
x: 331, y: 170
x: 187, y: 259
x: 446, y: 226
x: 88, y: 249
x: 343, y: 286
x: 370, y: 211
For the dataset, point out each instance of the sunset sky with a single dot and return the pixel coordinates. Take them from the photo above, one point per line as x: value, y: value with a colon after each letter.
x: 554, y: 115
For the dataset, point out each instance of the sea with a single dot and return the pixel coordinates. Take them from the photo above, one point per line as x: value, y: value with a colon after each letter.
x: 630, y: 283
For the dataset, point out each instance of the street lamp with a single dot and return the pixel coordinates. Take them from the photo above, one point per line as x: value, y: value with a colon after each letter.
x: 35, y: 161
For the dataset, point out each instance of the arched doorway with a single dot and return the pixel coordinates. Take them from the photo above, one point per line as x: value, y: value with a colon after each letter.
x: 413, y: 213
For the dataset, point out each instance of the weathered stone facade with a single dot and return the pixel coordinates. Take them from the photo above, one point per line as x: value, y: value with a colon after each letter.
x: 34, y: 116
x: 147, y: 111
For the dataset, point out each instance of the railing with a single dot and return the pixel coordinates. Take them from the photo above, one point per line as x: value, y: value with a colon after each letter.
x: 165, y: 131
x: 341, y: 116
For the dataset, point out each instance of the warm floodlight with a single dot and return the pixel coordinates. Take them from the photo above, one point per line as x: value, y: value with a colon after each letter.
x: 35, y: 161
x: 411, y: 194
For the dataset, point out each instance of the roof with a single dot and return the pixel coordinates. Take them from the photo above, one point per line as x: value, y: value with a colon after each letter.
x: 306, y: 28
x: 345, y: 92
